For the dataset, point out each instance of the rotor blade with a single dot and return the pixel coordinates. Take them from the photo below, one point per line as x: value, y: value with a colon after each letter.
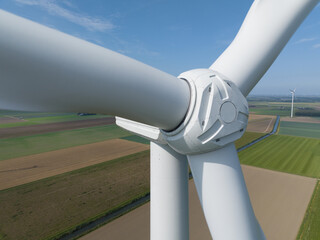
x: 223, y: 194
x: 169, y: 206
x: 266, y: 29
x: 45, y: 70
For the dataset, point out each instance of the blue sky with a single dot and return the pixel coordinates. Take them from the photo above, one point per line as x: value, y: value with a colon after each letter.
x: 176, y: 36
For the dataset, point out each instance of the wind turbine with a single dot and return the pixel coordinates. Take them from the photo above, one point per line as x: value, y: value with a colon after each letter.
x: 292, y: 95
x: 194, y: 118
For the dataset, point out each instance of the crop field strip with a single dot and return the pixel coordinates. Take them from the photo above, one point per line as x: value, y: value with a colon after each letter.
x: 301, y: 129
x: 29, y: 145
x: 53, y: 127
x: 31, y: 118
x: 310, y: 227
x: 263, y: 125
x: 66, y: 201
x: 289, y: 154
x: 271, y: 193
x: 17, y: 171
x: 297, y: 155
x: 284, y: 108
x: 301, y: 119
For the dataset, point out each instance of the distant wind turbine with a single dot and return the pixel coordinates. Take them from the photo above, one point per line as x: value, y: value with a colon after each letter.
x: 292, y: 94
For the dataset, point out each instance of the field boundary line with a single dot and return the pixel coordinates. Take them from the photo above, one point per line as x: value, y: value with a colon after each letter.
x: 274, y: 130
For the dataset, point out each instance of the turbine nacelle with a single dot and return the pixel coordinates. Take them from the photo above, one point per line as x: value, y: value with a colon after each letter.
x: 292, y: 91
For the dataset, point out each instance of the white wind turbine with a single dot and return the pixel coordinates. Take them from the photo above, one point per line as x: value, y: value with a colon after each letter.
x: 195, y: 117
x: 292, y: 96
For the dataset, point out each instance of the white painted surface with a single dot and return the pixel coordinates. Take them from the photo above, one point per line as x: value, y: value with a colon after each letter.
x: 224, y: 196
x: 265, y: 31
x: 169, y: 217
x: 46, y: 70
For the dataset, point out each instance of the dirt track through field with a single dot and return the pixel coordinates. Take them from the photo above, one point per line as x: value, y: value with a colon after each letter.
x: 261, y: 123
x: 17, y: 171
x: 53, y: 127
x: 279, y: 201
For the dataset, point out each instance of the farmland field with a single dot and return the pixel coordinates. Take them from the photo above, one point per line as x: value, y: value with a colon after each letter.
x: 68, y: 193
x: 28, y: 145
x: 17, y: 171
x: 310, y: 227
x: 279, y: 201
x: 290, y: 154
x: 71, y: 199
x: 135, y: 138
x: 53, y: 127
x: 260, y: 123
x: 26, y: 119
x: 301, y: 119
x: 301, y: 129
x: 284, y: 108
x: 247, y: 138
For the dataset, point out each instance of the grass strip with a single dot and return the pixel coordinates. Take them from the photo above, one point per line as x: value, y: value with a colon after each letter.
x: 135, y: 138
x: 289, y: 154
x: 310, y: 226
x: 248, y: 137
x: 38, y: 119
x: 300, y: 129
x: 67, y: 201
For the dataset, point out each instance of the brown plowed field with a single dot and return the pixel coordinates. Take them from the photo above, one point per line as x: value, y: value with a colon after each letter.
x: 301, y: 119
x: 279, y: 201
x: 261, y: 123
x: 53, y: 127
x: 17, y: 171
x: 253, y: 117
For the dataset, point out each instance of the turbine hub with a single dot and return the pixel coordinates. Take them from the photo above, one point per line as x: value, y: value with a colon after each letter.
x: 217, y: 115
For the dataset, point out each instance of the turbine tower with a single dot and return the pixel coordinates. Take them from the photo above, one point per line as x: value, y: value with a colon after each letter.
x: 292, y: 95
x: 193, y: 118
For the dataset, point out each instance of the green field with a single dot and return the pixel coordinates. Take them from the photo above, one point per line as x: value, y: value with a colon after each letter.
x: 269, y: 108
x: 300, y: 129
x: 28, y: 145
x: 290, y: 154
x: 310, y: 226
x: 42, y: 119
x: 270, y: 111
x: 284, y: 108
x: 248, y: 137
x: 135, y: 138
x: 53, y: 206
